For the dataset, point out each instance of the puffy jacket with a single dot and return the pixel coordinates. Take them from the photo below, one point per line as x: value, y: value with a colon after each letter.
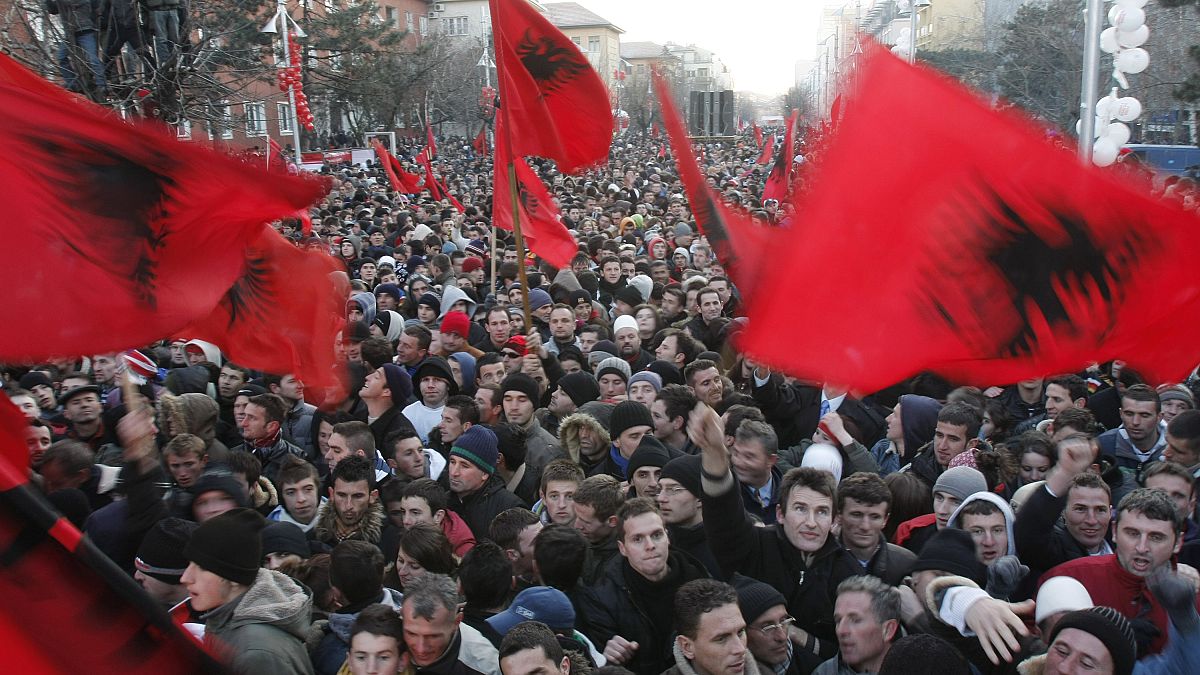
x: 263, y: 631
x: 612, y: 608
x: 272, y: 456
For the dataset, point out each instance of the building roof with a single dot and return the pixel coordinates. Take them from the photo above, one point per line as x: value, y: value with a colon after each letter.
x: 642, y: 50
x: 575, y: 15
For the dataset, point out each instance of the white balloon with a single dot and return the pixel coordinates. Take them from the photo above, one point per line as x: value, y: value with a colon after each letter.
x: 1126, y: 18
x: 1108, y: 40
x: 1103, y: 106
x: 1127, y: 109
x: 1133, y: 38
x: 1117, y: 133
x: 1104, y: 152
x: 1132, y: 60
x: 900, y: 51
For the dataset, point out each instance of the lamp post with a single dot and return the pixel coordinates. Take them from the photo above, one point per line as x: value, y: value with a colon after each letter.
x: 283, y: 19
x: 912, y: 27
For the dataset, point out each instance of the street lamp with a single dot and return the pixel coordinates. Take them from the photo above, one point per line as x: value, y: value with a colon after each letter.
x: 283, y: 19
x: 912, y: 28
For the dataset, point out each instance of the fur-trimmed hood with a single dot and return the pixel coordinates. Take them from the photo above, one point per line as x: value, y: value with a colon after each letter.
x: 370, y: 528
x: 685, y: 667
x: 194, y: 414
x: 568, y: 433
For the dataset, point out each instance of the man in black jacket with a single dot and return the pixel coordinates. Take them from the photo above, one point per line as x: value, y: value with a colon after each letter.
x: 629, y: 608
x: 864, y: 504
x: 476, y: 493
x: 797, y: 556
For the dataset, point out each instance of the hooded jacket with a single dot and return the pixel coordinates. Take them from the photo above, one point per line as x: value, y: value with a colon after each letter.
x: 366, y: 302
x: 568, y: 435
x: 212, y: 353
x: 1005, y: 509
x: 918, y: 419
x: 263, y: 631
x: 194, y: 414
x: 329, y: 640
x: 451, y: 295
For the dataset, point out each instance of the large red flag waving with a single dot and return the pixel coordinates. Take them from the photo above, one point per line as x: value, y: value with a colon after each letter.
x: 977, y: 250
x: 283, y: 315
x: 400, y: 180
x: 738, y: 242
x: 480, y: 144
x: 780, y: 178
x: 767, y: 148
x: 556, y: 103
x: 116, y: 234
x: 541, y: 225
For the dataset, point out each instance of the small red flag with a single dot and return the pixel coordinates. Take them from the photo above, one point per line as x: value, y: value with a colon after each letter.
x: 480, y: 144
x: 662, y: 151
x: 767, y: 149
x: 139, y: 232
x: 556, y: 103
x: 780, y: 178
x: 430, y: 144
x: 739, y: 243
x: 541, y: 224
x: 431, y: 183
x: 400, y: 180
x: 654, y: 130
x: 758, y: 137
x: 283, y: 315
x: 977, y: 250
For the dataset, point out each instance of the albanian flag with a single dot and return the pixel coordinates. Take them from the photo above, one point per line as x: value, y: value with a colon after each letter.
x: 758, y: 137
x: 65, y: 607
x: 282, y: 315
x: 766, y: 149
x: 117, y: 234
x: 480, y: 144
x: 780, y: 178
x: 400, y: 180
x: 739, y: 243
x: 977, y: 250
x: 540, y: 224
x: 556, y: 103
x: 430, y: 144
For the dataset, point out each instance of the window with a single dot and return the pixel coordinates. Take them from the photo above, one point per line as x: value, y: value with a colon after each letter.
x: 593, y: 43
x: 226, y: 122
x: 256, y: 119
x: 455, y: 25
x: 641, y: 68
x: 702, y: 72
x: 424, y: 25
x: 285, y: 117
x: 391, y: 16
x: 183, y: 131
x: 408, y: 21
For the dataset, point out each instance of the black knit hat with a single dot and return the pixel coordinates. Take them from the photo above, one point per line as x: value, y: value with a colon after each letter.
x: 684, y: 470
x: 279, y: 537
x: 952, y: 551
x: 523, y: 384
x: 434, y: 366
x: 629, y: 295
x: 161, y: 554
x: 398, y: 383
x: 669, y: 373
x: 1110, y: 627
x: 33, y: 378
x: 755, y: 597
x: 229, y: 545
x: 628, y: 414
x: 650, y: 452
x: 581, y: 387
x: 219, y: 478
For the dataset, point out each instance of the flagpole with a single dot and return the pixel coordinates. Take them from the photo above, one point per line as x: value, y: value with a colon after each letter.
x: 287, y: 60
x: 516, y: 210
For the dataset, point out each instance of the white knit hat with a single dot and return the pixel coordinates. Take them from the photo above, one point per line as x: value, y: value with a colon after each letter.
x: 1061, y: 594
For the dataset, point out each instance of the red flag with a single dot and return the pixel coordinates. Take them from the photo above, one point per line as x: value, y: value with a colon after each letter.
x: 58, y: 589
x: 556, y: 103
x: 278, y: 160
x: 283, y: 316
x: 138, y: 232
x: 480, y: 144
x: 541, y: 225
x: 400, y: 180
x: 780, y: 178
x: 739, y: 243
x: 758, y: 137
x: 654, y: 130
x: 431, y: 183
x: 430, y: 144
x: 978, y: 250
x: 767, y: 149
x: 662, y: 151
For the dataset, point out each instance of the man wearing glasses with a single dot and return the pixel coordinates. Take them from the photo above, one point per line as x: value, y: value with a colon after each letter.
x: 767, y: 622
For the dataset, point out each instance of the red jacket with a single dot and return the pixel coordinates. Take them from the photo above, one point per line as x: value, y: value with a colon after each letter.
x: 456, y: 530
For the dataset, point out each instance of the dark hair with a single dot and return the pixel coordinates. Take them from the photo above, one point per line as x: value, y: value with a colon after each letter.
x: 356, y: 569
x: 738, y: 414
x: 465, y: 407
x: 1088, y: 480
x: 911, y: 497
x: 531, y: 635
x: 678, y: 401
x: 485, y: 576
x: 424, y: 337
x: 697, y: 598
x: 510, y: 443
x: 807, y: 477
x: 1142, y: 393
x: 600, y: 331
x: 602, y: 493
x: 354, y: 469
x: 1079, y: 419
x: 632, y: 508
x: 74, y: 456
x: 1169, y: 469
x: 1185, y: 428
x: 507, y: 526
x: 972, y: 396
x: 314, y: 573
x: 1074, y: 384
x: 962, y: 415
x: 246, y: 464
x: 430, y: 548
x: 429, y: 490
x: 388, y: 451
x: 696, y: 366
x: 559, y: 552
x: 274, y: 407
x: 379, y: 620
x: 978, y: 507
x: 864, y: 487
x: 497, y: 394
x: 1153, y: 504
x: 753, y: 430
x: 293, y: 469
x: 562, y: 469
x: 1033, y: 441
x: 997, y: 465
x: 358, y: 436
x: 376, y: 351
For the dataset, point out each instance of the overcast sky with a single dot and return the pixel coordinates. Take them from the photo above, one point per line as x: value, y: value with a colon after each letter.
x: 760, y: 40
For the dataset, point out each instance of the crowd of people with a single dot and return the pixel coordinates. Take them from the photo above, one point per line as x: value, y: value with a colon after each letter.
x: 608, y: 485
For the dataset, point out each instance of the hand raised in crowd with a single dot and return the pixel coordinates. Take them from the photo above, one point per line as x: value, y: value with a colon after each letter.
x: 533, y: 344
x: 619, y: 650
x: 705, y: 429
x: 1075, y: 456
x: 837, y: 429
x: 136, y: 431
x: 999, y: 626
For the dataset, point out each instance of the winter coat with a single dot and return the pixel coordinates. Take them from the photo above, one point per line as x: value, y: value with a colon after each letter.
x: 1116, y: 443
x: 918, y: 419
x: 955, y: 523
x: 1181, y: 655
x: 298, y: 427
x: 272, y: 456
x: 764, y: 553
x: 390, y: 421
x: 451, y: 295
x: 1041, y: 541
x: 195, y: 414
x: 263, y: 631
x: 568, y: 434
x: 613, y: 608
x: 480, y: 507
x: 366, y: 302
x: 694, y: 541
x: 541, y: 447
x: 469, y: 653
x: 891, y: 563
x: 329, y: 639
x: 374, y: 528
x: 684, y: 667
